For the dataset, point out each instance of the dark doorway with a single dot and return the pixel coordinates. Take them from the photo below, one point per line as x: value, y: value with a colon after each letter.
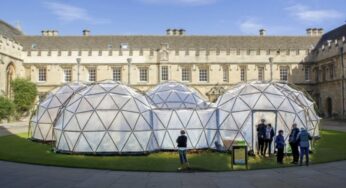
x: 329, y: 107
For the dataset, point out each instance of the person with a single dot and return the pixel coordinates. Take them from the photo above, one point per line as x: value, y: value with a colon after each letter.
x: 268, y: 139
x: 261, y: 131
x: 303, y: 141
x: 293, y: 143
x: 280, y: 145
x: 182, y: 143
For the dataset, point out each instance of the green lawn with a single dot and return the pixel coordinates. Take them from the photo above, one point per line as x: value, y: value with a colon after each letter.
x: 17, y: 148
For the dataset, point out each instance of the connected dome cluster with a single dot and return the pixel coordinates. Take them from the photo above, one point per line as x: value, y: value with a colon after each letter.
x: 109, y: 117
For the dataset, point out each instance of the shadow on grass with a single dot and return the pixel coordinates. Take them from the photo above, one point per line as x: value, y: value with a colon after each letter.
x: 18, y: 148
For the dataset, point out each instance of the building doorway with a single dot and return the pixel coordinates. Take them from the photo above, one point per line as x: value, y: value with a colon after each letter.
x: 329, y: 107
x: 10, y: 75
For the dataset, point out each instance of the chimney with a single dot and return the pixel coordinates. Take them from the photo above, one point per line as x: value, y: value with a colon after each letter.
x: 44, y: 33
x: 262, y: 32
x: 169, y: 32
x: 86, y: 32
x: 175, y: 32
x: 320, y: 31
x: 314, y: 32
x: 55, y: 33
x: 309, y: 31
x: 181, y: 32
x: 49, y: 33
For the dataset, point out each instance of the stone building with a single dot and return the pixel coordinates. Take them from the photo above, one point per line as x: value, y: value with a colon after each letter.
x: 211, y: 64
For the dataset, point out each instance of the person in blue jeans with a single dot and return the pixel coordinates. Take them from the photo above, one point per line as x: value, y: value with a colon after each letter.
x: 182, y: 143
x: 303, y: 139
x: 280, y: 145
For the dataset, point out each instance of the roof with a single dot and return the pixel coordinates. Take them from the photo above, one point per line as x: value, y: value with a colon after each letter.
x: 8, y: 31
x: 335, y: 34
x: 174, y: 42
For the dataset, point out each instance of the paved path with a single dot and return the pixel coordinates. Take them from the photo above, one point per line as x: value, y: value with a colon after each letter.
x: 317, y: 176
x: 13, y: 127
x: 337, y: 125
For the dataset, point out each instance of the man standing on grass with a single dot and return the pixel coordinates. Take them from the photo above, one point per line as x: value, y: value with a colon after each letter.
x: 261, y: 131
x: 293, y: 140
x: 182, y: 142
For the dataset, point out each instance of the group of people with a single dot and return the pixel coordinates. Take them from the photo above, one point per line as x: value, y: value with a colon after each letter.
x: 298, y: 140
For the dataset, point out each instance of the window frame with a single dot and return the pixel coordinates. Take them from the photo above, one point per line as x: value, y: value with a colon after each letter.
x: 141, y: 76
x: 186, y: 73
x: 283, y: 69
x: 42, y: 76
x: 116, y: 70
x: 164, y: 73
x: 68, y: 69
x: 90, y: 75
x: 203, y: 74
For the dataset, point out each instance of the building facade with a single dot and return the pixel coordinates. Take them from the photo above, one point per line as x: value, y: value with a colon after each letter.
x: 211, y: 64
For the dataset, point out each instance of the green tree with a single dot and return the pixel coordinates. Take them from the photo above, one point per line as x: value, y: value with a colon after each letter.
x: 7, y: 108
x: 25, y: 93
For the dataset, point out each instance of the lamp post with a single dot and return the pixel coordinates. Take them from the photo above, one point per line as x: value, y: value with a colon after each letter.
x: 78, y: 63
x: 271, y: 68
x: 129, y: 60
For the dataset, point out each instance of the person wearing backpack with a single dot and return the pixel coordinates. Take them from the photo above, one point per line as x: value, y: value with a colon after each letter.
x: 293, y: 143
x: 303, y: 139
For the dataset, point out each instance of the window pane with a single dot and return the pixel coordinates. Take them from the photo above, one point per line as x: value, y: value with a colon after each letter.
x: 284, y: 73
x: 242, y: 74
x: 261, y: 73
x: 42, y: 74
x: 203, y: 74
x: 164, y: 73
x: 143, y: 74
x: 117, y: 74
x: 67, y: 75
x: 307, y: 73
x: 185, y: 74
x: 225, y: 73
x: 92, y: 74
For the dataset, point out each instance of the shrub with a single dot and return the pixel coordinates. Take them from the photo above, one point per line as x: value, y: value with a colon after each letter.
x: 25, y: 93
x: 7, y: 108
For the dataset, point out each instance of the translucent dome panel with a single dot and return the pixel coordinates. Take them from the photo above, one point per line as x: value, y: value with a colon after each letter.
x: 47, y: 110
x: 174, y: 95
x: 106, y: 118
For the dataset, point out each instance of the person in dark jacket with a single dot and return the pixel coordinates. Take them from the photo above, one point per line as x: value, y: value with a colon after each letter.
x: 182, y: 143
x: 261, y: 131
x: 303, y: 140
x: 280, y: 145
x: 268, y: 139
x: 293, y: 137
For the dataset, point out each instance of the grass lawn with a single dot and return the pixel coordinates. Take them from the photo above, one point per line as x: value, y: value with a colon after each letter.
x: 17, y: 148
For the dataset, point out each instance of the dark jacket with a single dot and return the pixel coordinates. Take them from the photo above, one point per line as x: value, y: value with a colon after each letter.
x: 279, y: 142
x: 293, y: 136
x: 261, y: 130
x: 271, y: 136
x: 182, y: 140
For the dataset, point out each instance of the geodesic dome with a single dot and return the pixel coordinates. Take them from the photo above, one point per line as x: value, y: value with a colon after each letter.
x: 105, y: 118
x: 41, y: 126
x: 242, y: 107
x: 174, y: 95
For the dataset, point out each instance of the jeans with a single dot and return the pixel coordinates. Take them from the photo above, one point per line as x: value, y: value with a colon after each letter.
x: 182, y: 156
x: 268, y: 144
x: 295, y: 152
x: 260, y: 145
x: 304, y: 151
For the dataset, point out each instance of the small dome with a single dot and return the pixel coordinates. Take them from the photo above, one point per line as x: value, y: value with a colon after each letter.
x: 105, y: 117
x: 174, y: 95
x: 47, y: 110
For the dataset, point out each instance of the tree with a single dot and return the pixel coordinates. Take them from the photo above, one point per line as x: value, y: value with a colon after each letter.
x: 25, y: 93
x: 7, y: 108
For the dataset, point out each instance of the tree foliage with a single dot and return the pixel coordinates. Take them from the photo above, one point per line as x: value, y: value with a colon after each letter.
x: 7, y: 108
x: 25, y: 93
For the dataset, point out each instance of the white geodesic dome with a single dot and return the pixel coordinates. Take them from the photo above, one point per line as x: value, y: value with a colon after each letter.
x: 175, y: 95
x: 105, y: 118
x: 41, y: 125
x: 242, y: 107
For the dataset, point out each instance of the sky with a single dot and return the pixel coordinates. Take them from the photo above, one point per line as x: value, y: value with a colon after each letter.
x: 153, y: 17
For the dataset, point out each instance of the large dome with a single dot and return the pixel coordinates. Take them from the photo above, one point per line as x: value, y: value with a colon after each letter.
x: 41, y: 126
x: 105, y: 118
x: 242, y: 107
x: 174, y: 95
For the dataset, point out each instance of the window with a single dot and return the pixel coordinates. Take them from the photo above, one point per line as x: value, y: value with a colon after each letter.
x: 225, y: 73
x: 67, y: 74
x: 243, y: 74
x: 284, y: 73
x: 317, y: 74
x: 117, y: 74
x: 324, y: 72
x: 92, y: 74
x: 203, y: 74
x: 261, y: 73
x: 164, y: 73
x: 307, y: 73
x: 42, y: 74
x: 185, y: 74
x: 331, y: 71
x: 143, y: 74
